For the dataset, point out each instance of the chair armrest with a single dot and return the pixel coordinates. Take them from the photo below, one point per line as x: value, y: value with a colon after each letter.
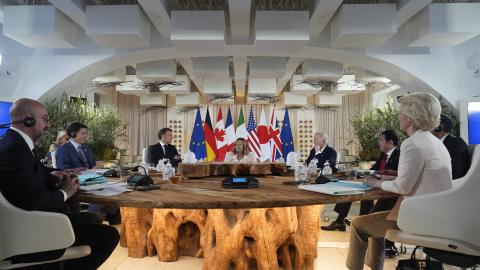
x: 23, y: 232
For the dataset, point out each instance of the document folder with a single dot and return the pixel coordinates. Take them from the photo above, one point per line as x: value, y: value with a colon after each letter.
x: 337, y: 188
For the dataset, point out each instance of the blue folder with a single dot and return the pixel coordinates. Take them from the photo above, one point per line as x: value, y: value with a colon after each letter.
x: 91, y: 179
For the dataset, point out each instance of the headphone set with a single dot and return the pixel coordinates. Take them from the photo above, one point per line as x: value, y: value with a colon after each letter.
x: 28, y: 122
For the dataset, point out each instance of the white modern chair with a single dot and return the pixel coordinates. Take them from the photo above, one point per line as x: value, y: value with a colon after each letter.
x: 292, y: 159
x: 446, y: 223
x: 24, y: 232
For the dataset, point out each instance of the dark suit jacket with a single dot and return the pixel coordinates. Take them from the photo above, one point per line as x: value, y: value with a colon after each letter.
x: 26, y: 183
x: 392, y: 162
x: 459, y: 155
x: 155, y: 153
x: 328, y: 154
x: 68, y: 158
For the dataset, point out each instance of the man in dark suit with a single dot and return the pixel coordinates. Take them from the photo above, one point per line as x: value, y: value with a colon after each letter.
x: 387, y: 142
x: 75, y: 153
x: 456, y: 146
x: 322, y: 152
x: 163, y: 149
x: 27, y: 184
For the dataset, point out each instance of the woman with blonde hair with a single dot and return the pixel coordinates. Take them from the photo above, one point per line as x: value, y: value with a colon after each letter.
x: 62, y: 138
x: 424, y: 167
x: 241, y: 153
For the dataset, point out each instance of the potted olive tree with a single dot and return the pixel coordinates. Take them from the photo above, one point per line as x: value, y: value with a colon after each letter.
x: 104, y: 124
x: 370, y: 123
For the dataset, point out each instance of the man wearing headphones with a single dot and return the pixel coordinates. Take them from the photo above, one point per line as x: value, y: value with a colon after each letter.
x: 456, y: 146
x: 75, y: 153
x: 27, y: 184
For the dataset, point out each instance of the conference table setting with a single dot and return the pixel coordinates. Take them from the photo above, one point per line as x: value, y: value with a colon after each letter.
x: 232, y: 214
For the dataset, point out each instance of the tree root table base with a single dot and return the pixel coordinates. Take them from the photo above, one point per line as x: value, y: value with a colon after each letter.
x: 241, y: 239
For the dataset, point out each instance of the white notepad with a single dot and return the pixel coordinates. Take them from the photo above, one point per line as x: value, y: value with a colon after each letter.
x: 337, y: 188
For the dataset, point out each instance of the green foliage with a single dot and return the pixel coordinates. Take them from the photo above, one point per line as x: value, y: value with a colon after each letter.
x: 370, y: 123
x: 104, y: 125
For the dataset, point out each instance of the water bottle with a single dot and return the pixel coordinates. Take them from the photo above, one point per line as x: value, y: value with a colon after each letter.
x: 312, y: 170
x: 168, y: 171
x: 300, y: 173
x: 327, y: 170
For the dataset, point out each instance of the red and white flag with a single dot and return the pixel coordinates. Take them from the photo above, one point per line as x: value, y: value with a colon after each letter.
x: 275, y: 142
x: 263, y: 138
x: 230, y: 131
x: 222, y: 147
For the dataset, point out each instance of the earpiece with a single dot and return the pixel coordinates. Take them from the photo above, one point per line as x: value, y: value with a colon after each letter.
x: 73, y: 134
x: 29, y: 122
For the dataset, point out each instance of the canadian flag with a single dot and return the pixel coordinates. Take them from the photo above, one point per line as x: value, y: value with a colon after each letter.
x: 222, y: 147
x: 263, y: 138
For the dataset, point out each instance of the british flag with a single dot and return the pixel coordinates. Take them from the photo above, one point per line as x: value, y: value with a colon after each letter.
x: 275, y: 142
x: 253, y: 142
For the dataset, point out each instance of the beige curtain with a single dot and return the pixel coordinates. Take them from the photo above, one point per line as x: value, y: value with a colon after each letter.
x: 143, y: 123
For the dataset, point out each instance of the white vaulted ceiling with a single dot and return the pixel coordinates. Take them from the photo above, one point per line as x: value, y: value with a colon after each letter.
x: 239, y: 47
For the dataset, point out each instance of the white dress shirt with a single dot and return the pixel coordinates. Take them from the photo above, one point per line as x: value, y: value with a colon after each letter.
x: 389, y: 153
x: 27, y: 138
x: 75, y: 145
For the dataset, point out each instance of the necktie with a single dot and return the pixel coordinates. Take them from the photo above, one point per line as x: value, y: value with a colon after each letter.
x: 164, y: 147
x: 383, y: 162
x: 83, y: 158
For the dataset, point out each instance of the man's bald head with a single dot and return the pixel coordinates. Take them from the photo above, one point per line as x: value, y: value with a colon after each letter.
x: 28, y: 108
x: 24, y: 108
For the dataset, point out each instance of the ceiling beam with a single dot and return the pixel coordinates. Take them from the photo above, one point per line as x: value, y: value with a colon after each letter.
x: 406, y: 9
x: 74, y: 9
x: 187, y: 64
x: 322, y: 12
x: 239, y: 13
x: 292, y: 65
x: 240, y: 75
x: 159, y: 13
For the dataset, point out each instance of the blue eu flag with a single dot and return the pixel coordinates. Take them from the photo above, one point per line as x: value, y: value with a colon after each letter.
x: 286, y: 135
x: 197, y: 143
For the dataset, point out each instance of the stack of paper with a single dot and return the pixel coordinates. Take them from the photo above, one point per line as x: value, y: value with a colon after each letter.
x: 337, y: 188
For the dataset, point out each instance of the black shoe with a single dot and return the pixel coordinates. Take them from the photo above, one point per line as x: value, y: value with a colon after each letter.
x: 391, y: 252
x: 334, y: 226
x: 347, y: 222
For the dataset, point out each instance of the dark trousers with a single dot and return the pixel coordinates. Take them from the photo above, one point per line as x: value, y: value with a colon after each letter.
x: 102, y: 240
x: 366, y: 207
x: 343, y: 208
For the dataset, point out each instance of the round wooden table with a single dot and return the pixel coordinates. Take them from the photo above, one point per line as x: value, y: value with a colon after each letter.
x: 262, y: 228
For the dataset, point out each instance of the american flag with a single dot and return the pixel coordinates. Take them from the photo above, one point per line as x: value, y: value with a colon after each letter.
x: 253, y: 142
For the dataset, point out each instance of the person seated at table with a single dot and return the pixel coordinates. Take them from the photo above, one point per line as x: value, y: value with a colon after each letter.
x: 322, y: 151
x: 424, y: 168
x: 241, y: 153
x: 456, y: 146
x: 388, y: 160
x: 163, y: 149
x: 27, y: 184
x: 75, y: 153
x: 62, y: 138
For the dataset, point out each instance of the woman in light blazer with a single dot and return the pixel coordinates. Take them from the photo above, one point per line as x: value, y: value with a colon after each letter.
x: 241, y: 153
x: 424, y: 167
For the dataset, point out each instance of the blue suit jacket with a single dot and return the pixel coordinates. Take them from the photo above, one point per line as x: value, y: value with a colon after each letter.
x: 68, y: 158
